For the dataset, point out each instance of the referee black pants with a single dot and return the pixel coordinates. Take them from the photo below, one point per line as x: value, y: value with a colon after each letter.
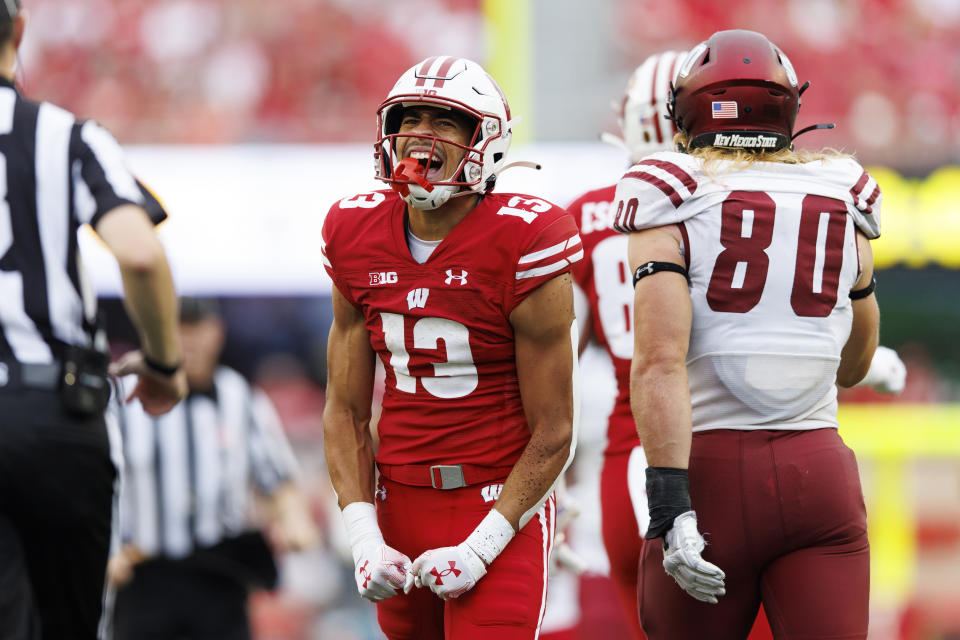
x: 56, y: 498
x: 174, y: 600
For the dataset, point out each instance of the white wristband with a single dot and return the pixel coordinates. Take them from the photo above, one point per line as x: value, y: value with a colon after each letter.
x: 491, y: 536
x: 360, y: 519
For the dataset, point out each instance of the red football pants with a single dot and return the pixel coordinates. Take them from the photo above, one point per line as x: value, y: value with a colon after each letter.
x: 621, y: 536
x: 506, y: 604
x: 783, y: 516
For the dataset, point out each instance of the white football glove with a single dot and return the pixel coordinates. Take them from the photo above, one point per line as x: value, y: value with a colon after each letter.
x: 449, y: 571
x: 681, y: 559
x: 379, y: 570
x: 887, y: 373
x: 568, y: 509
x: 452, y: 571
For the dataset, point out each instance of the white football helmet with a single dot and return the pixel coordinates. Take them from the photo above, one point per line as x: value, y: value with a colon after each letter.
x: 643, y: 112
x: 449, y: 83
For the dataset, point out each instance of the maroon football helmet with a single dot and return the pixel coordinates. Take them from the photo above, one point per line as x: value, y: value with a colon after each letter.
x: 736, y: 90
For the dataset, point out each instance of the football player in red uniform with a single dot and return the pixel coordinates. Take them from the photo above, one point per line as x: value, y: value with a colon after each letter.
x: 465, y: 296
x: 755, y: 272
x: 602, y: 281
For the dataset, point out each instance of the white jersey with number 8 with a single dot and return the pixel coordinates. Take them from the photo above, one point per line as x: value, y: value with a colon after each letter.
x: 772, y: 254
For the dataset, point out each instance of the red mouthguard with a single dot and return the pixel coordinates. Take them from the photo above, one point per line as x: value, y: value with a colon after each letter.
x: 411, y: 169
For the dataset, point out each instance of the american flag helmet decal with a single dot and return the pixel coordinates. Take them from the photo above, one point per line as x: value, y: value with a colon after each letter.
x: 724, y: 109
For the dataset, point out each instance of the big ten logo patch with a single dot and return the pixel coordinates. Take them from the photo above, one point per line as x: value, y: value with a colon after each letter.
x: 491, y: 492
x: 383, y: 277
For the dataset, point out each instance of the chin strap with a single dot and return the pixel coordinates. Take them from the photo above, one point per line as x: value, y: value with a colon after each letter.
x: 828, y: 125
x: 813, y: 127
x: 410, y: 169
x: 522, y: 163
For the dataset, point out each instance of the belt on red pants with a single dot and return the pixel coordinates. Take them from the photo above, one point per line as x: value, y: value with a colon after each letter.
x: 442, y: 476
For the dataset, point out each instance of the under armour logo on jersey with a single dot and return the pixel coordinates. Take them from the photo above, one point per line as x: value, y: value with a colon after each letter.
x: 491, y: 492
x: 364, y: 573
x: 381, y: 493
x: 440, y: 574
x: 417, y: 298
x: 384, y: 277
x: 461, y: 278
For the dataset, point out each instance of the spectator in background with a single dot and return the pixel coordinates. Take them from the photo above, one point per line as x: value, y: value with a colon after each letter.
x: 189, y: 550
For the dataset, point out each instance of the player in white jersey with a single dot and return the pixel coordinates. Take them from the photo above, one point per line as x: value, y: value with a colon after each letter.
x: 754, y: 266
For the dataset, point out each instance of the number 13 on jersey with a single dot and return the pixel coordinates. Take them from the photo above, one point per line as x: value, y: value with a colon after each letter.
x: 453, y: 378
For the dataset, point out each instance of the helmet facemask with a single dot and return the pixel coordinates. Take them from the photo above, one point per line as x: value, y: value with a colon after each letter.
x: 411, y: 176
x: 460, y: 87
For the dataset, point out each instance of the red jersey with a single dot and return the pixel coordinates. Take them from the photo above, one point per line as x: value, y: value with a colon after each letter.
x: 604, y: 276
x: 442, y: 328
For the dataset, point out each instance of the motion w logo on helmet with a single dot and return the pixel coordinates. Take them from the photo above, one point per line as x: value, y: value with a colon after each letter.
x: 440, y: 75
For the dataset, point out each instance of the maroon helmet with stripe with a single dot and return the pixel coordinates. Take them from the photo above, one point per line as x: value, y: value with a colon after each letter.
x: 736, y: 90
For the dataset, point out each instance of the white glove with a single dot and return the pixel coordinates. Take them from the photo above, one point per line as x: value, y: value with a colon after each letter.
x: 452, y: 571
x: 378, y: 569
x: 567, y: 511
x: 566, y: 557
x: 887, y: 373
x: 449, y: 571
x: 681, y: 559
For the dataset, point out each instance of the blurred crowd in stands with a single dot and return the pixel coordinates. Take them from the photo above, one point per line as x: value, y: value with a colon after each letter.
x: 216, y: 71
x: 886, y: 71
x: 311, y: 71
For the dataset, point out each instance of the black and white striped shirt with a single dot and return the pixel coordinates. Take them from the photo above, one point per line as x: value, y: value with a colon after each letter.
x: 188, y: 475
x: 56, y: 174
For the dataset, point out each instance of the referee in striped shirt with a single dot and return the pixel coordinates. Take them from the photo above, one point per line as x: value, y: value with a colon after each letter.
x: 189, y: 550
x: 56, y: 476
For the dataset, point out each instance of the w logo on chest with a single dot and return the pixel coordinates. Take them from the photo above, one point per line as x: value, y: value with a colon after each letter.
x: 417, y: 298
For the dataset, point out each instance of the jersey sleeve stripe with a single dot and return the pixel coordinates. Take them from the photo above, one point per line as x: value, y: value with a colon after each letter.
x: 550, y: 251
x: 552, y: 267
x: 861, y: 183
x: 323, y: 254
x: 675, y: 171
x: 862, y: 187
x: 667, y: 190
